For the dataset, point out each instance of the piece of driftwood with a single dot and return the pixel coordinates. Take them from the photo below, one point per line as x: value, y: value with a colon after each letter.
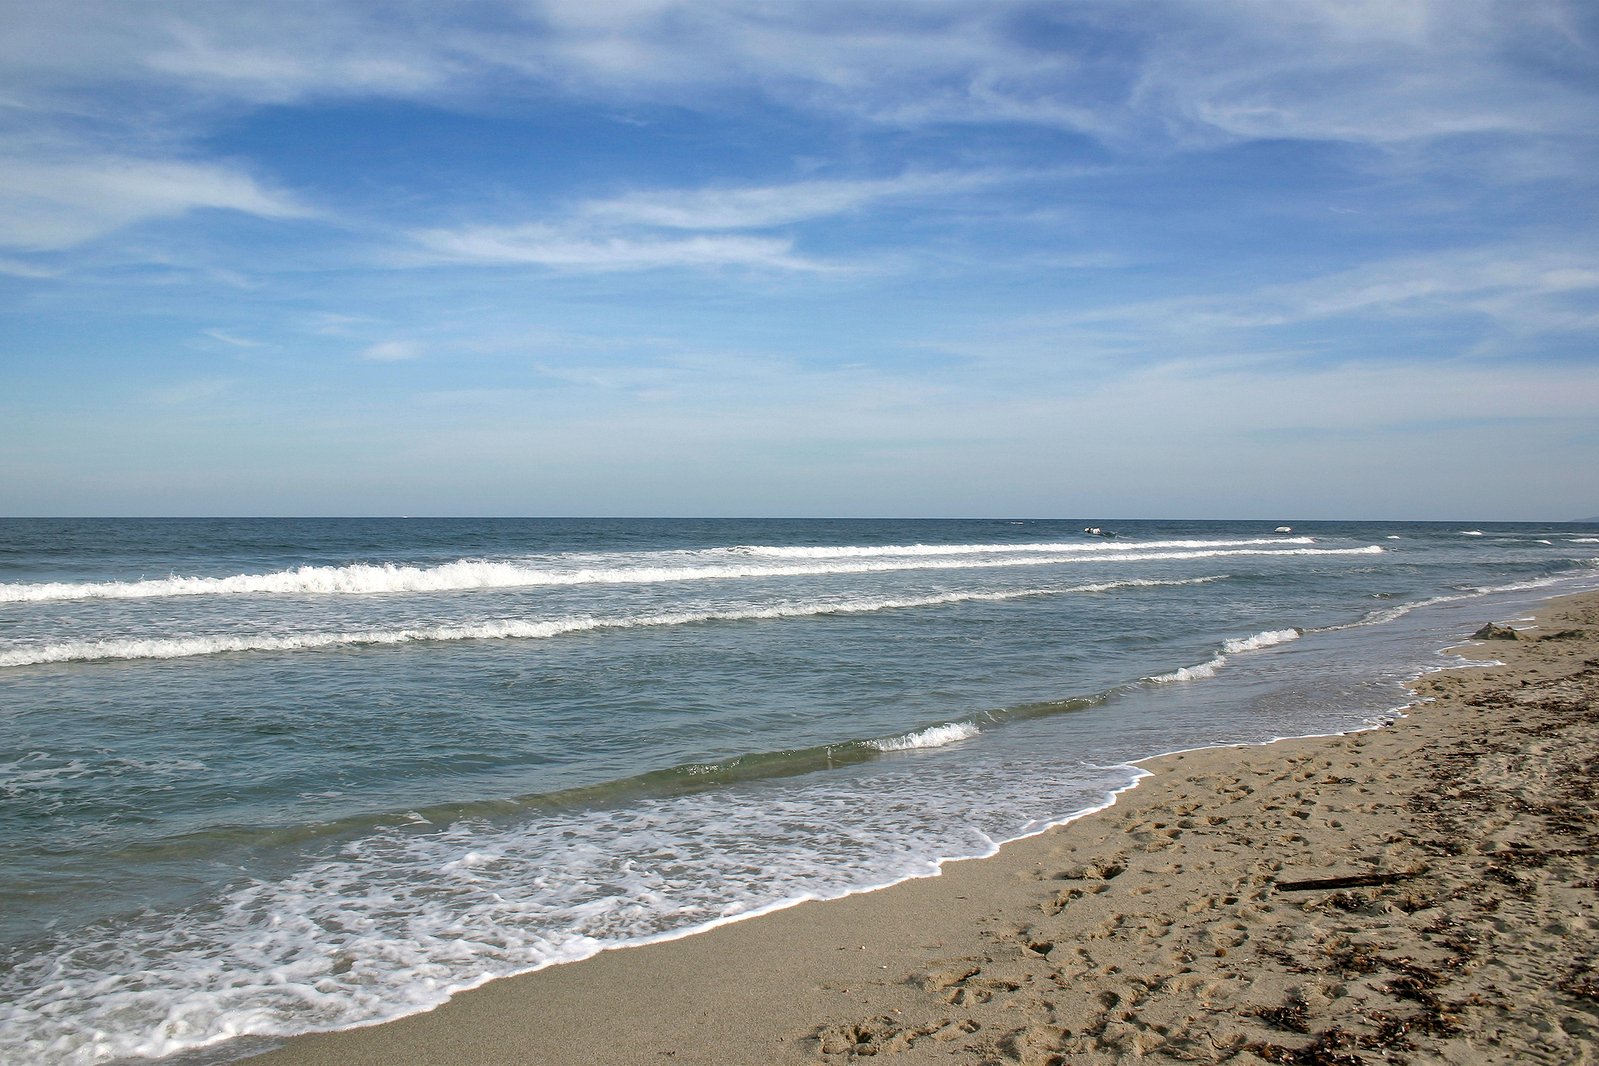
x: 1352, y: 881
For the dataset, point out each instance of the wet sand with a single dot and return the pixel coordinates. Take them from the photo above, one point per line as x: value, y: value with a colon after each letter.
x: 1426, y: 892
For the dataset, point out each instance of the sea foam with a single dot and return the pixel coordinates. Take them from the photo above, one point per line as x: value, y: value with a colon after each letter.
x: 1231, y: 647
x: 511, y: 628
x: 1052, y: 547
x: 1190, y: 673
x: 932, y: 737
x: 465, y: 575
x: 1261, y: 640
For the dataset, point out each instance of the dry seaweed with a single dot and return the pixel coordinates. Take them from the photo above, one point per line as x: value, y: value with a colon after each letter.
x: 1352, y: 881
x: 1582, y: 982
x: 1331, y: 1047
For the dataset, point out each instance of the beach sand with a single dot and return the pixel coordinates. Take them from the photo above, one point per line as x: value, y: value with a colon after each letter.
x: 1196, y: 920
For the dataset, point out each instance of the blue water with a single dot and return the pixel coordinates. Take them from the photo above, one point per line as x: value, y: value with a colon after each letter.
x: 269, y: 776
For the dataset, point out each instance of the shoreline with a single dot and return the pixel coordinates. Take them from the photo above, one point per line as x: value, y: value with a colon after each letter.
x: 1206, y: 914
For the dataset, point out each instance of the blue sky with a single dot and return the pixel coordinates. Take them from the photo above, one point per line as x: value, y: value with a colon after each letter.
x: 1304, y: 259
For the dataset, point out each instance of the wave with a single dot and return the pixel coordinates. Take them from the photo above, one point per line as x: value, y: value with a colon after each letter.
x: 400, y: 919
x: 937, y: 736
x: 1261, y: 640
x: 465, y: 575
x: 1231, y: 647
x: 509, y: 629
x: 683, y: 779
x: 852, y: 552
x: 1190, y: 673
x: 1389, y: 614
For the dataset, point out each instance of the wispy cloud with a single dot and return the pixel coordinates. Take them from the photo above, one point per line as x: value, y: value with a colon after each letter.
x: 393, y: 351
x: 57, y: 200
x: 765, y: 206
x: 318, y: 49
x: 65, y: 57
x: 1512, y: 306
x: 1161, y: 76
x: 1504, y: 290
x: 560, y: 248
x: 1341, y: 69
x: 1512, y: 285
x: 651, y: 229
x: 233, y: 340
x: 19, y: 269
x: 999, y: 231
x: 1362, y: 71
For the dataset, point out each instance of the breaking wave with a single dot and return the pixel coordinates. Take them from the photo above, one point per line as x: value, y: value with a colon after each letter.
x: 512, y: 629
x: 932, y: 737
x: 1261, y: 640
x: 1235, y: 646
x: 464, y: 575
x: 1053, y: 547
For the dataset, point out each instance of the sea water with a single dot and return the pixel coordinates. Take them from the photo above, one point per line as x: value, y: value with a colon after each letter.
x: 262, y: 777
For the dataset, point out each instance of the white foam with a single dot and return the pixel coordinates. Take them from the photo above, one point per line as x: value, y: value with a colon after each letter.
x: 1472, y: 533
x: 1389, y: 614
x: 510, y: 628
x: 472, y: 859
x: 464, y: 575
x: 20, y: 775
x: 1235, y: 646
x: 1261, y: 640
x: 1190, y: 673
x: 35, y: 771
x: 937, y: 736
x: 357, y: 579
x: 1051, y: 547
x: 401, y: 919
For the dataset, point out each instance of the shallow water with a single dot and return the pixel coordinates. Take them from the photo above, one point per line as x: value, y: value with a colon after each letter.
x: 265, y: 776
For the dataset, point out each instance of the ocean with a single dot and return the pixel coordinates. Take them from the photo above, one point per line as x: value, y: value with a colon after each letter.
x: 266, y: 776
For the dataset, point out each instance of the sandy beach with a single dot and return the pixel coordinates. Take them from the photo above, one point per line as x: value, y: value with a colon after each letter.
x: 1424, y: 892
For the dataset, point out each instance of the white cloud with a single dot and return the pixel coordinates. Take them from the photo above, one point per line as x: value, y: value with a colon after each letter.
x: 392, y: 351
x: 552, y: 246
x: 764, y: 206
x: 332, y: 324
x: 1514, y: 287
x: 1151, y: 75
x: 645, y: 230
x: 258, y: 54
x: 1502, y: 310
x: 65, y: 56
x: 232, y: 340
x: 1156, y: 71
x: 57, y: 200
x: 1360, y: 71
x: 18, y: 269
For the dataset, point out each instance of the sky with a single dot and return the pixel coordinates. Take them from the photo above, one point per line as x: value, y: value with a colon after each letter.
x: 1295, y: 259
